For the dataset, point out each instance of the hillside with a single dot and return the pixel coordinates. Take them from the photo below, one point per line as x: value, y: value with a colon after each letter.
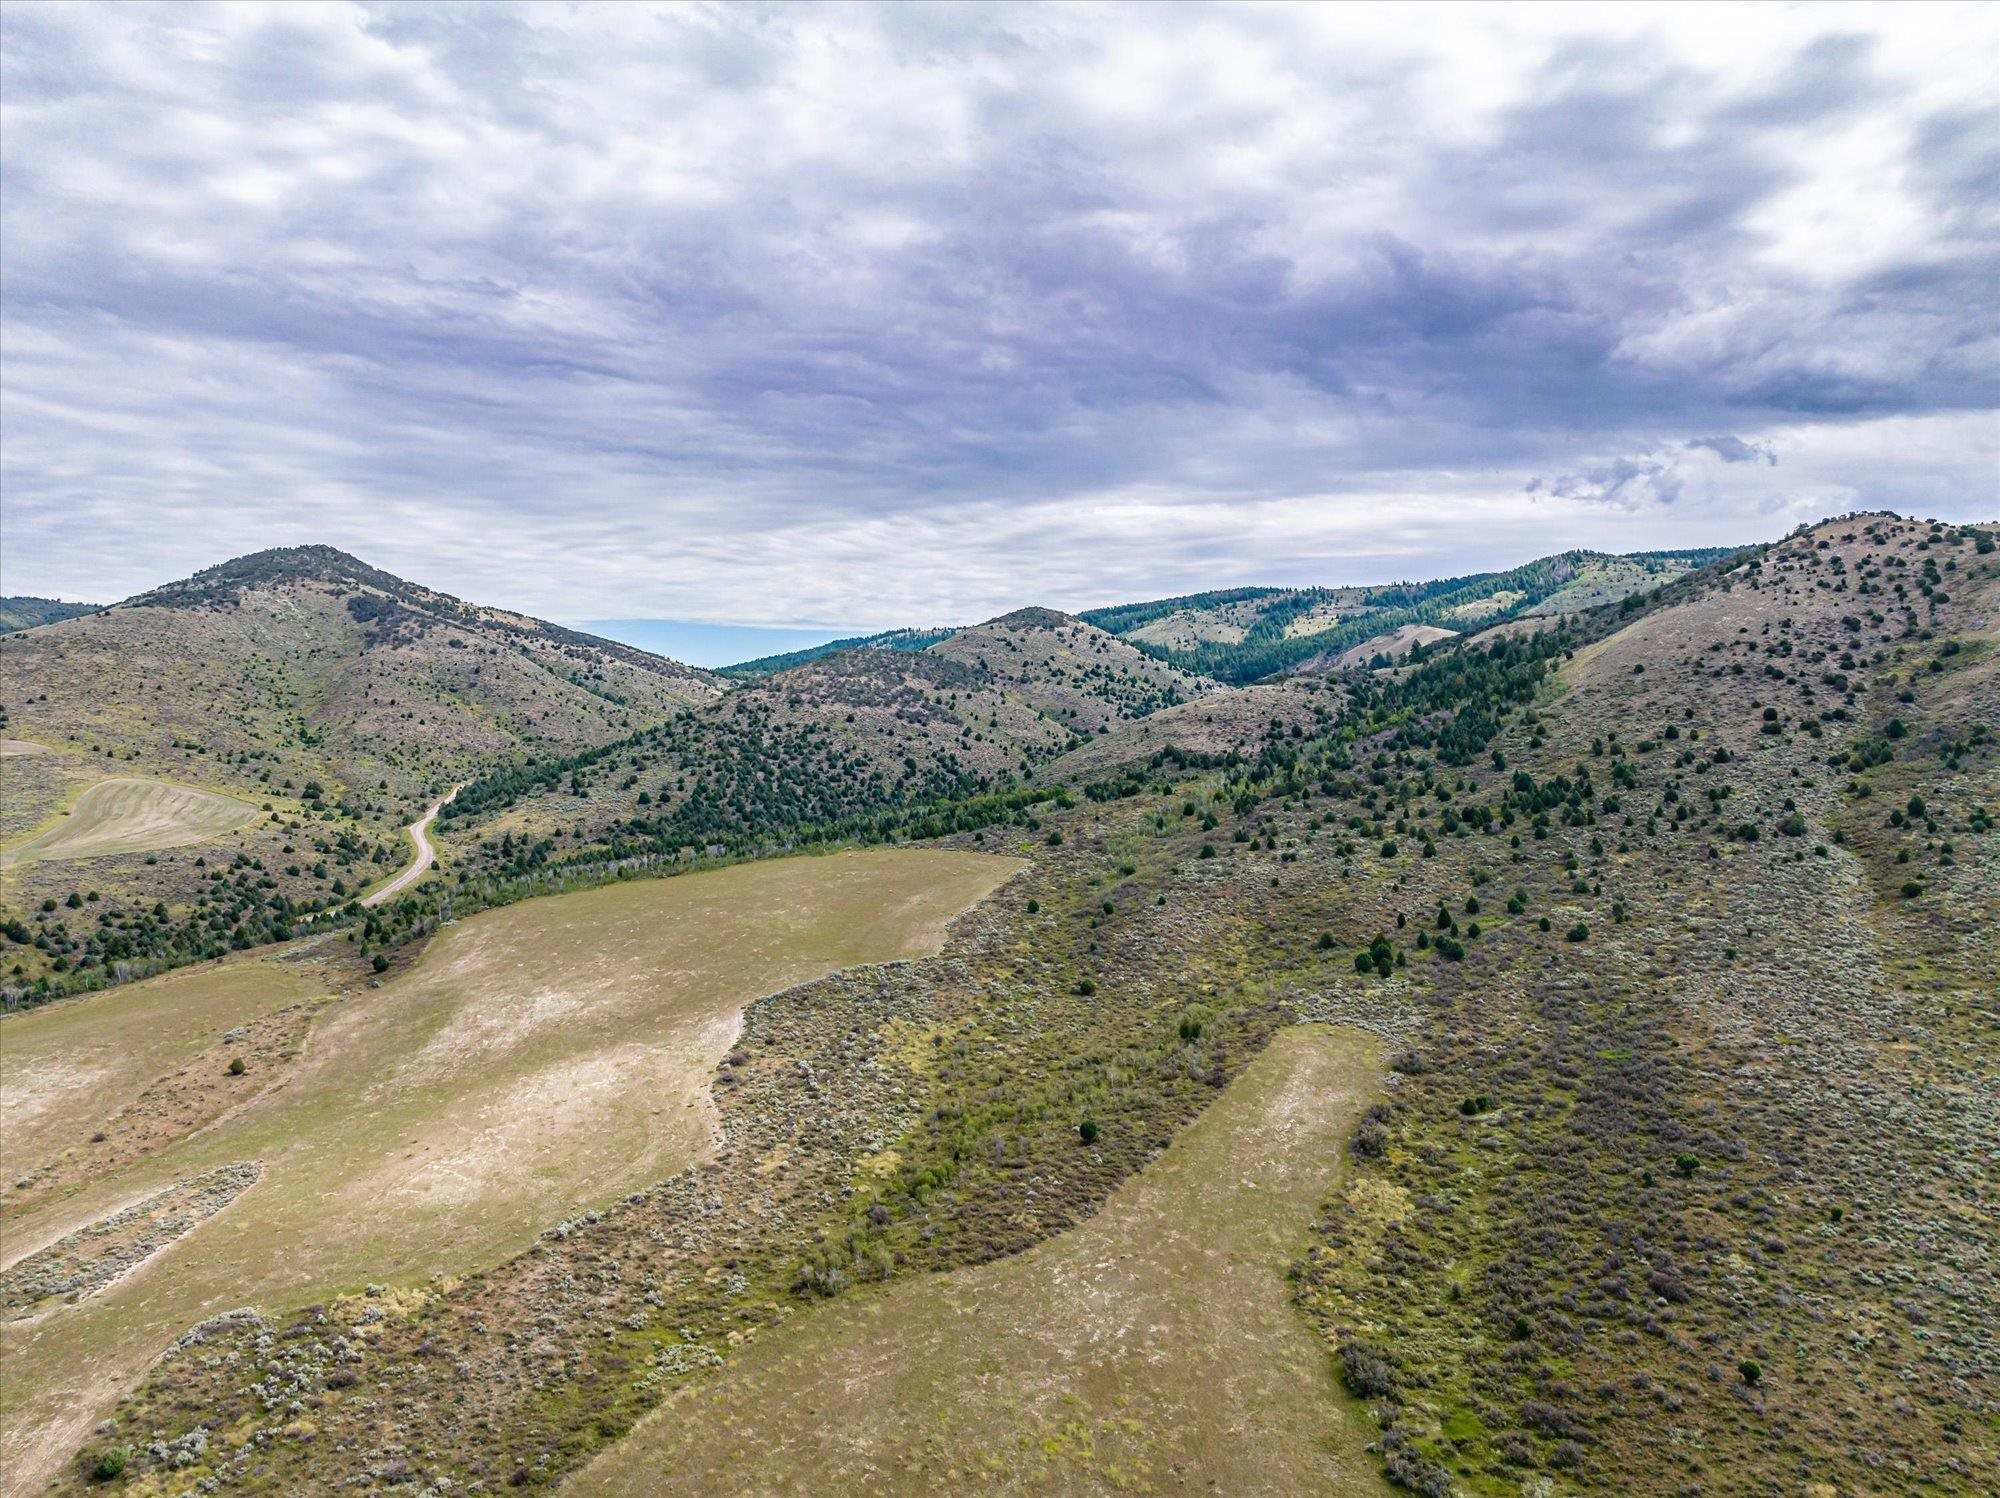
x: 21, y: 612
x: 842, y: 736
x: 1671, y: 927
x: 334, y: 698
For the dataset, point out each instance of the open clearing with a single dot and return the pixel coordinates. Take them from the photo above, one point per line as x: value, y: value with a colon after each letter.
x: 538, y: 1060
x: 127, y: 815
x: 1154, y: 1348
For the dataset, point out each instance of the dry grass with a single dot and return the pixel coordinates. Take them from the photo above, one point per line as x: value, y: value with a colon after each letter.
x: 1154, y: 1348
x: 130, y: 815
x: 538, y: 1061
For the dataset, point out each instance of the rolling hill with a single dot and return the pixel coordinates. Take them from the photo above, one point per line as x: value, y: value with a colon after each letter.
x: 851, y: 734
x: 1240, y: 635
x: 1647, y: 1154
x: 1247, y: 634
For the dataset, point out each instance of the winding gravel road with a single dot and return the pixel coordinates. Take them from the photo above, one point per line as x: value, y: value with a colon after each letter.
x: 426, y: 856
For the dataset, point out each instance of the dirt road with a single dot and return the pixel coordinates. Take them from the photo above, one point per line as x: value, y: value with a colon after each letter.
x: 426, y: 856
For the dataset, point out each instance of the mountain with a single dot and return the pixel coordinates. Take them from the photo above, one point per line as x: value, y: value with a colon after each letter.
x: 310, y: 662
x: 893, y: 639
x: 307, y: 702
x: 1658, y: 935
x: 22, y: 612
x: 1246, y: 634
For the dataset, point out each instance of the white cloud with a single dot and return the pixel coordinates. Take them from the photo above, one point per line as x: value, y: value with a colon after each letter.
x: 780, y: 314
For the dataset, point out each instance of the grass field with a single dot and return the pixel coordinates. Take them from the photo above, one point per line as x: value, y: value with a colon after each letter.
x: 538, y: 1060
x: 126, y: 815
x: 1154, y: 1348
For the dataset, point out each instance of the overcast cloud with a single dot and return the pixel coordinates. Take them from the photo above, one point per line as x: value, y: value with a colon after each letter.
x: 864, y: 316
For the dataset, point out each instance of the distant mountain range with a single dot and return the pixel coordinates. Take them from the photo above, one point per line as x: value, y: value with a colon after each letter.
x: 1240, y: 635
x: 339, y: 700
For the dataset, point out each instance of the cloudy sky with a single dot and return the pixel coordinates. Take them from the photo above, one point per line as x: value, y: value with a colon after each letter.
x: 865, y: 316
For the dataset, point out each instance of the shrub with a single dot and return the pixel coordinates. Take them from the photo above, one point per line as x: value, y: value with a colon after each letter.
x: 1750, y: 1371
x: 109, y: 1463
x: 1365, y: 1371
x: 236, y: 1067
x: 1550, y: 1420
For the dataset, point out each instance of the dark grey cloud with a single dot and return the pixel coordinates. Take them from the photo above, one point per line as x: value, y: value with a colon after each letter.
x: 856, y: 315
x: 1735, y: 450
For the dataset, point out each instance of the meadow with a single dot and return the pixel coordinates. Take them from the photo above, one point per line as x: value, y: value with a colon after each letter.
x: 126, y: 814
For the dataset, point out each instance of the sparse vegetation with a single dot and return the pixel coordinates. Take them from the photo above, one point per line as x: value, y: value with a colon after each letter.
x: 1683, y: 1077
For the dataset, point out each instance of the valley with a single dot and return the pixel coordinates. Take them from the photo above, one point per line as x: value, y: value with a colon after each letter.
x: 1557, y: 1059
x: 1051, y: 751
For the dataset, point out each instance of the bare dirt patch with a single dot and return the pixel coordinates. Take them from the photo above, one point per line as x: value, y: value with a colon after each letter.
x: 171, y: 1108
x: 68, y: 1069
